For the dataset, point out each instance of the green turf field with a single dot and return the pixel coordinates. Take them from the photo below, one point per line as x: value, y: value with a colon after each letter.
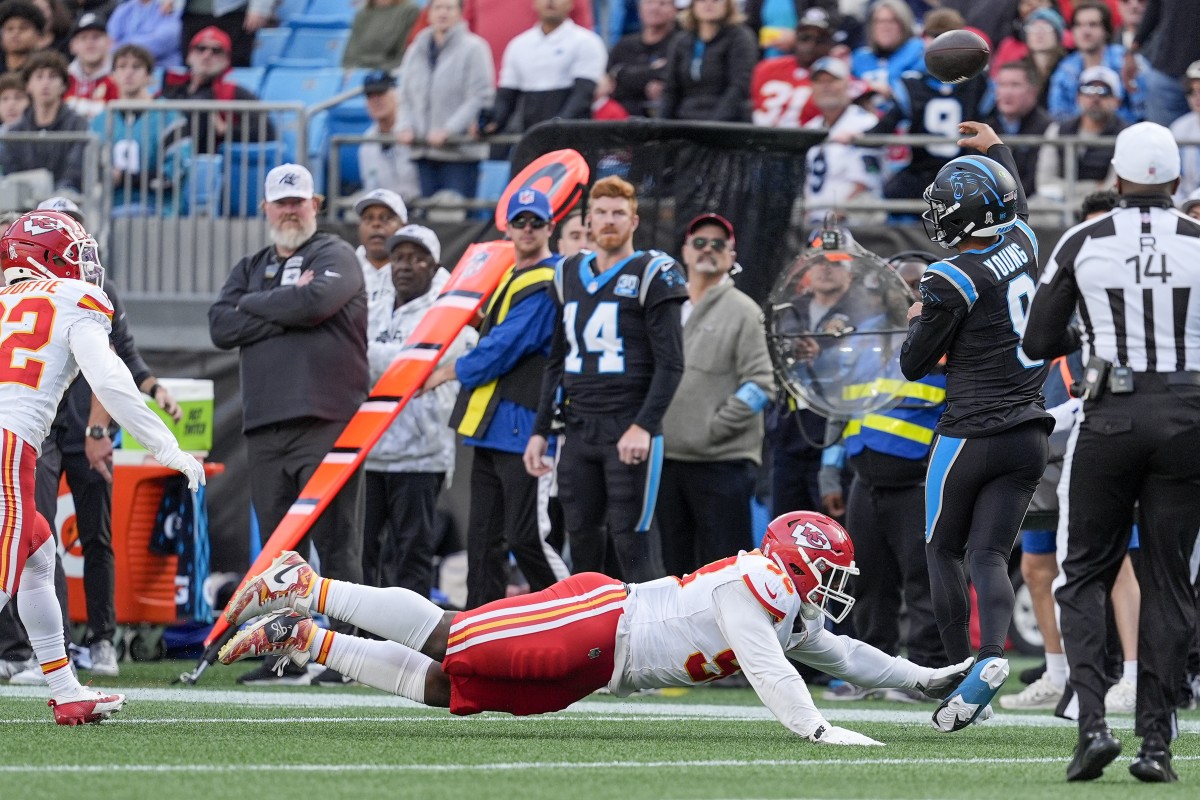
x: 218, y: 740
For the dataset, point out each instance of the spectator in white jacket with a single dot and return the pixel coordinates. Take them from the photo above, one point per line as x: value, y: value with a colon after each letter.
x: 406, y: 469
x: 446, y: 79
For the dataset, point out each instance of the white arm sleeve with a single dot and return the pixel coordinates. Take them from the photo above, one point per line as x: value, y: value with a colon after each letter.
x: 747, y: 627
x: 857, y: 662
x: 113, y: 384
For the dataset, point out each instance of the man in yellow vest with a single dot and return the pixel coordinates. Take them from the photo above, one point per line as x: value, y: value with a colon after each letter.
x: 501, y: 379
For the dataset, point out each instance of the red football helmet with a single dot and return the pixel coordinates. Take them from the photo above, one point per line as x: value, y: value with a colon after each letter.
x: 818, y: 555
x: 43, y: 245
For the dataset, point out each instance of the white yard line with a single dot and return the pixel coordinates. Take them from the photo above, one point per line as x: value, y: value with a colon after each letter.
x: 513, y: 766
x: 648, y: 709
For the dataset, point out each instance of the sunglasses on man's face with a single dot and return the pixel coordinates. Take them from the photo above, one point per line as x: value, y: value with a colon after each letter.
x: 718, y: 245
x: 521, y: 223
x: 204, y: 48
x: 1096, y: 91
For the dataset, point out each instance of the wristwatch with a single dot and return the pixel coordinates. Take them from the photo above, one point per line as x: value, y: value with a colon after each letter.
x: 97, y: 432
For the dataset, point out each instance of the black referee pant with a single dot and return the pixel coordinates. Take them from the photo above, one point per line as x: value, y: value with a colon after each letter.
x: 703, y: 512
x: 282, y: 457
x: 509, y: 512
x: 976, y: 494
x: 608, y: 506
x: 1133, y: 448
x: 888, y: 526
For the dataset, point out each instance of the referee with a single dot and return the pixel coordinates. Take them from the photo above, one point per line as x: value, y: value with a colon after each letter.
x: 1131, y: 275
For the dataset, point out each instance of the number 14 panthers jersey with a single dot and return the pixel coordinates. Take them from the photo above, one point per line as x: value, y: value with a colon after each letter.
x: 610, y: 359
x: 36, y: 362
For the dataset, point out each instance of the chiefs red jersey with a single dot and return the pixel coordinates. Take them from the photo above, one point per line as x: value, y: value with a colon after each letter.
x: 782, y: 93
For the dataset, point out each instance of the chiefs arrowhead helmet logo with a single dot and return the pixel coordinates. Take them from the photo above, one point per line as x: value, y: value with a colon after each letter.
x: 811, y: 536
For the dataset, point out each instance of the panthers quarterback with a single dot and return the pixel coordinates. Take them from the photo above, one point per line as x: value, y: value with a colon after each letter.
x: 541, y: 652
x: 991, y: 445
x: 54, y: 322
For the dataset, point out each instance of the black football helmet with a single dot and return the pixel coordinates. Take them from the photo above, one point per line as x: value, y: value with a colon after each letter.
x: 971, y: 196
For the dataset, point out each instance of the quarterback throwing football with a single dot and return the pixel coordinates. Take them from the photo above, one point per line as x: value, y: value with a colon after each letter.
x: 54, y: 322
x: 541, y: 652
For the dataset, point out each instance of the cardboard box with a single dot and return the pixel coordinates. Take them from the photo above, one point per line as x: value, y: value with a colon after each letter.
x: 194, y: 431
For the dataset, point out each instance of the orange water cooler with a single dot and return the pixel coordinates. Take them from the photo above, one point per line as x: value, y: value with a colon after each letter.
x: 145, y: 580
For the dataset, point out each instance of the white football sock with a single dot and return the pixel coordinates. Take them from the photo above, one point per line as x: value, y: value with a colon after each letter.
x: 1129, y: 671
x: 392, y: 667
x: 1056, y: 668
x: 393, y: 613
x: 37, y: 606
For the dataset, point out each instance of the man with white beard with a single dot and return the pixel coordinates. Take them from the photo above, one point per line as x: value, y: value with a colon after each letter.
x: 713, y: 429
x: 297, y: 312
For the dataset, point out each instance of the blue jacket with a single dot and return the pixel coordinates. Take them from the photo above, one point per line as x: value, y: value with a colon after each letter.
x: 145, y: 24
x: 1062, y: 99
x: 528, y: 328
x: 868, y: 66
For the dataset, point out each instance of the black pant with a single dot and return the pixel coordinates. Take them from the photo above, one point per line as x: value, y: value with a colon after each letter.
x: 976, y: 494
x: 282, y: 457
x: 508, y: 513
x: 1133, y: 448
x: 399, y: 529
x: 794, y: 484
x: 596, y: 488
x: 704, y: 512
x: 888, y: 525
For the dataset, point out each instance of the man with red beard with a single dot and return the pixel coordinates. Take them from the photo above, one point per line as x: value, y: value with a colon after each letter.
x: 618, y: 357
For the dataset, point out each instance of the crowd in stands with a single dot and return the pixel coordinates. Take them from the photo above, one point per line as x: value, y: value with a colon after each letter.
x: 465, y: 69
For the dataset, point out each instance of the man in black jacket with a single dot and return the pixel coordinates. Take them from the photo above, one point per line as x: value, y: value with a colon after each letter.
x: 1018, y: 113
x: 298, y: 312
x: 638, y: 62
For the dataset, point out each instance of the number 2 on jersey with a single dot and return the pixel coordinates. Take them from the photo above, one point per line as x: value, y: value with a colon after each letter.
x: 1020, y: 297
x: 21, y: 344
x: 599, y: 336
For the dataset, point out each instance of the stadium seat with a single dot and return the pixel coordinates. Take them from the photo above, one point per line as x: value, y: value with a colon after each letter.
x: 202, y: 193
x: 348, y: 118
x: 290, y: 9
x: 248, y: 165
x: 305, y: 64
x: 318, y: 43
x: 345, y: 9
x: 308, y: 86
x: 249, y: 78
x: 322, y: 20
x: 353, y: 78
x: 269, y: 44
x: 493, y: 179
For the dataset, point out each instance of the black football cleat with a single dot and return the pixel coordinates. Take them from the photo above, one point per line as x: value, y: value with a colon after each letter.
x: 1095, y: 751
x: 1153, y: 765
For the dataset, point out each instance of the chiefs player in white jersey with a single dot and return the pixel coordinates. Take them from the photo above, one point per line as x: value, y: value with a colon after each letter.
x: 54, y: 322
x: 543, y: 651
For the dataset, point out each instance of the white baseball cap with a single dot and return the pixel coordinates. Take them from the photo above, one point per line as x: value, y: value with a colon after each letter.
x: 382, y: 197
x: 289, y: 180
x: 420, y: 235
x: 1146, y: 153
x: 64, y: 204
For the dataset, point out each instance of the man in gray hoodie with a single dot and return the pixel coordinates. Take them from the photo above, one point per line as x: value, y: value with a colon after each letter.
x: 713, y: 429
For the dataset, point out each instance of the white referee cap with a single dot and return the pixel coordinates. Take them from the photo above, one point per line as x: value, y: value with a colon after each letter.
x: 1146, y: 153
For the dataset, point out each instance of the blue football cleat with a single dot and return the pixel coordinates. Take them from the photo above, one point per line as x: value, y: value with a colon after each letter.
x: 966, y: 703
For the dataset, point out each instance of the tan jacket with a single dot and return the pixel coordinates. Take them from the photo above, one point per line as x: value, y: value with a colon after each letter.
x: 724, y: 347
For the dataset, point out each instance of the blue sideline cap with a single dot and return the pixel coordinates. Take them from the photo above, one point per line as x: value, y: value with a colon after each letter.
x: 530, y: 200
x: 378, y: 82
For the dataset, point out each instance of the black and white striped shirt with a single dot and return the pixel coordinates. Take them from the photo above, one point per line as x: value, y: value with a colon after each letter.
x: 1133, y: 276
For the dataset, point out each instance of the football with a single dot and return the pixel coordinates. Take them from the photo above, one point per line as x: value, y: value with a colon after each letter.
x: 957, y: 56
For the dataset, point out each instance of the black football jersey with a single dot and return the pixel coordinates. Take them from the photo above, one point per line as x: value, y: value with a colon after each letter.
x: 609, y: 360
x: 923, y: 104
x: 975, y: 305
